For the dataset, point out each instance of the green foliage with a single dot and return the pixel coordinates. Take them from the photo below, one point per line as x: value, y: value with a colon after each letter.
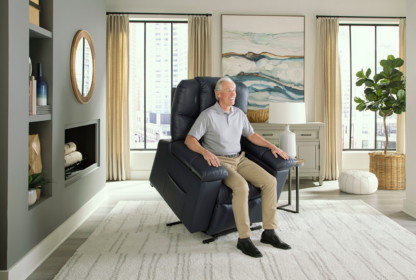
x: 386, y: 92
x: 37, y: 180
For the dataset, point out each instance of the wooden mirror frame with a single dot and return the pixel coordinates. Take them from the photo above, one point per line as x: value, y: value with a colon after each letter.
x: 82, y: 34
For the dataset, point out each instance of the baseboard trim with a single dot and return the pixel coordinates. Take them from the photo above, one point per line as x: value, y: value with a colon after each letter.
x: 140, y: 174
x: 409, y: 207
x: 32, y: 260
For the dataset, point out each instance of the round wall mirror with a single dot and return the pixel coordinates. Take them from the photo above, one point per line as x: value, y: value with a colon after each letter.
x: 83, y: 66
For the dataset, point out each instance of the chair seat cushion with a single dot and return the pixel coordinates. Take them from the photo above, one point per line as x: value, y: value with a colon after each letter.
x: 225, y: 196
x: 358, y: 182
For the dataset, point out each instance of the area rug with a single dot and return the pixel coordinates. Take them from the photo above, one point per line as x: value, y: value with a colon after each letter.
x: 330, y: 240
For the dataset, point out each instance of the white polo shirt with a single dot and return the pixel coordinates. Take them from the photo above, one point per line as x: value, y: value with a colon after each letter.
x: 221, y: 131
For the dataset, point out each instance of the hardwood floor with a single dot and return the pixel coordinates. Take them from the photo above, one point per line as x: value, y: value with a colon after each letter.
x: 390, y: 203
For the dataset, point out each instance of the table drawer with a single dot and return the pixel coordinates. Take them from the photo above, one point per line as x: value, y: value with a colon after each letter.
x: 307, y: 134
x: 268, y: 134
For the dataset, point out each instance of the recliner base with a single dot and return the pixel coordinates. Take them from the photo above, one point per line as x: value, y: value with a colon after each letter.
x: 225, y: 232
x: 215, y: 236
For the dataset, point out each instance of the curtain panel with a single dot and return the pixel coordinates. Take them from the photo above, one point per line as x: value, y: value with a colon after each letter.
x: 328, y: 107
x: 401, y: 119
x: 118, y: 140
x: 199, y: 46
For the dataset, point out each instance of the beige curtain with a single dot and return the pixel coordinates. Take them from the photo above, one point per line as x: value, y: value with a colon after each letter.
x: 328, y: 94
x: 118, y: 144
x: 199, y: 46
x: 401, y: 119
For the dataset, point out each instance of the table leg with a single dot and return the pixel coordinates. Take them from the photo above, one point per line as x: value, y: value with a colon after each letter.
x: 297, y: 189
x: 290, y: 187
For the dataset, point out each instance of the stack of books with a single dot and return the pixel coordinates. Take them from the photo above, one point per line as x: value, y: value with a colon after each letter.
x: 43, y: 110
x: 32, y: 96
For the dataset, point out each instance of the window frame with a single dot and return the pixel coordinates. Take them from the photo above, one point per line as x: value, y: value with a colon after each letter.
x: 351, y: 83
x: 144, y: 71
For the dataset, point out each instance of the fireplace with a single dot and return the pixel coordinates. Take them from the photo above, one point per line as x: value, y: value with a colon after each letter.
x: 83, y: 157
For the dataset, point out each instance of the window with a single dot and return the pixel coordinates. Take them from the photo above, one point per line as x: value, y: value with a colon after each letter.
x: 362, y: 47
x: 365, y: 144
x: 149, y: 101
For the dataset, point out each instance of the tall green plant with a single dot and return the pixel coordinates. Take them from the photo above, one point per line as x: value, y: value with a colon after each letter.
x: 385, y: 93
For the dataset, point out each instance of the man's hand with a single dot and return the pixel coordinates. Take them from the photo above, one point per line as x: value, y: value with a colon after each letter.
x: 211, y: 158
x: 276, y: 151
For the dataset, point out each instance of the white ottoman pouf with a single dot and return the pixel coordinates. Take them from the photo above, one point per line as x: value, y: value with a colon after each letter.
x: 358, y: 182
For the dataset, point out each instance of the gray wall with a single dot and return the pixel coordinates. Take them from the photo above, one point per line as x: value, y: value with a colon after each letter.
x: 4, y: 85
x: 26, y: 228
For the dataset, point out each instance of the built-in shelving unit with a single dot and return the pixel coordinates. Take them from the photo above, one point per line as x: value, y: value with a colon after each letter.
x: 40, y: 118
x: 41, y: 51
x: 39, y: 32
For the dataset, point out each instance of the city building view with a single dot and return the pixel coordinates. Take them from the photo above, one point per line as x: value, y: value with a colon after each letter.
x: 364, y: 48
x: 158, y: 62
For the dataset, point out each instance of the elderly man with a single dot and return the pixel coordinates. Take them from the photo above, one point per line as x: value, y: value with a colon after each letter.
x: 220, y: 128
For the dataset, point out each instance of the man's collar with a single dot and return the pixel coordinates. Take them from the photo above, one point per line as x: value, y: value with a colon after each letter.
x: 221, y: 110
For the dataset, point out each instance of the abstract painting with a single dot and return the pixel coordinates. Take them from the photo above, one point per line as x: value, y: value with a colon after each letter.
x: 266, y: 53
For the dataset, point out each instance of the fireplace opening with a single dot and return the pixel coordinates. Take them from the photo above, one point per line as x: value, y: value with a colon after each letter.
x: 80, y: 149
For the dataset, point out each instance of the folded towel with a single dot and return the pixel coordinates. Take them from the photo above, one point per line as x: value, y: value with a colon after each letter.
x: 70, y: 147
x: 72, y: 158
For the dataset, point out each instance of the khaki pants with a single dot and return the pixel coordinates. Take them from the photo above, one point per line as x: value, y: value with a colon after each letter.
x: 240, y: 170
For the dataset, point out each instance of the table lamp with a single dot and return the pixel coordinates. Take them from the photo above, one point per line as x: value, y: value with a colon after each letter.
x: 287, y: 113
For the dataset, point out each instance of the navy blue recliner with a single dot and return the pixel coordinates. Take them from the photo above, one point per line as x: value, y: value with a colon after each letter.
x: 193, y: 189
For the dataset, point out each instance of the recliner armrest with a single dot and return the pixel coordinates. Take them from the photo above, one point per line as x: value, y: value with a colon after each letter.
x: 197, y: 164
x: 266, y: 156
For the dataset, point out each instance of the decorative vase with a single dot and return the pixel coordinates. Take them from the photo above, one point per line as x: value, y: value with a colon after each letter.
x: 41, y: 88
x: 32, y: 196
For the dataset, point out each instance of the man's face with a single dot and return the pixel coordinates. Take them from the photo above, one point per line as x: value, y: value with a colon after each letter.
x: 227, y: 94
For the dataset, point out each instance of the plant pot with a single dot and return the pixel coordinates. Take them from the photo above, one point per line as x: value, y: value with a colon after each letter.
x: 32, y: 196
x: 390, y: 170
x: 38, y: 194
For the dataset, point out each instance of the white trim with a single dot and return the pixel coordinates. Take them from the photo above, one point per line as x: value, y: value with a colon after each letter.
x: 26, y: 265
x: 409, y: 207
x: 139, y: 175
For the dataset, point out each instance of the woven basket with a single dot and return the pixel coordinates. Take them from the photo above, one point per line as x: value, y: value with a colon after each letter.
x: 390, y: 170
x: 258, y: 116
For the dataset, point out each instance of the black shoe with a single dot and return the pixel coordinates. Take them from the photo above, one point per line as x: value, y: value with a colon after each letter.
x: 274, y: 240
x: 248, y: 248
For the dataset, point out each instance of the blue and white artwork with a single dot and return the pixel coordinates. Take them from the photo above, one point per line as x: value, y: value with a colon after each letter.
x: 266, y: 53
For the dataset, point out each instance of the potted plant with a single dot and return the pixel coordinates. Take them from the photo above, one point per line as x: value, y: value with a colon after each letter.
x: 385, y: 93
x: 36, y: 181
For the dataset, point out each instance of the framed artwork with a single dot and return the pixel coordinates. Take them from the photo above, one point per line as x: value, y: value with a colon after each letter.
x: 267, y: 54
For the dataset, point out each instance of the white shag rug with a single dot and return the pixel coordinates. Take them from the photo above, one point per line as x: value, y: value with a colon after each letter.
x: 330, y: 239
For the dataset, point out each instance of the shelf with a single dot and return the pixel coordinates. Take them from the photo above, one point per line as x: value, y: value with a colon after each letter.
x: 38, y: 32
x: 40, y: 118
x: 38, y: 202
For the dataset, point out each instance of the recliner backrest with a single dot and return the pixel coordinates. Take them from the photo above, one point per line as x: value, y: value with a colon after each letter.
x: 194, y: 96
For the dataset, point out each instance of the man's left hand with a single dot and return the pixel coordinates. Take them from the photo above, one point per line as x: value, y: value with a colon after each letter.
x: 278, y: 152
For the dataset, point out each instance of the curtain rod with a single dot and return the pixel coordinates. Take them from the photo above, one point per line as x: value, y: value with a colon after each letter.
x: 168, y: 14
x: 356, y: 17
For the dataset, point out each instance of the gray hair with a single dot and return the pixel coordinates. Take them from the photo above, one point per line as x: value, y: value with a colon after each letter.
x: 218, y: 86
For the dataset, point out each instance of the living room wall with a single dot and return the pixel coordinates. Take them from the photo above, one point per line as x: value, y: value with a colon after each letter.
x: 23, y: 228
x: 308, y: 8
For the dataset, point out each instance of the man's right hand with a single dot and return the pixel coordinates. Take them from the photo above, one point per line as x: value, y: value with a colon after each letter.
x: 211, y: 158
